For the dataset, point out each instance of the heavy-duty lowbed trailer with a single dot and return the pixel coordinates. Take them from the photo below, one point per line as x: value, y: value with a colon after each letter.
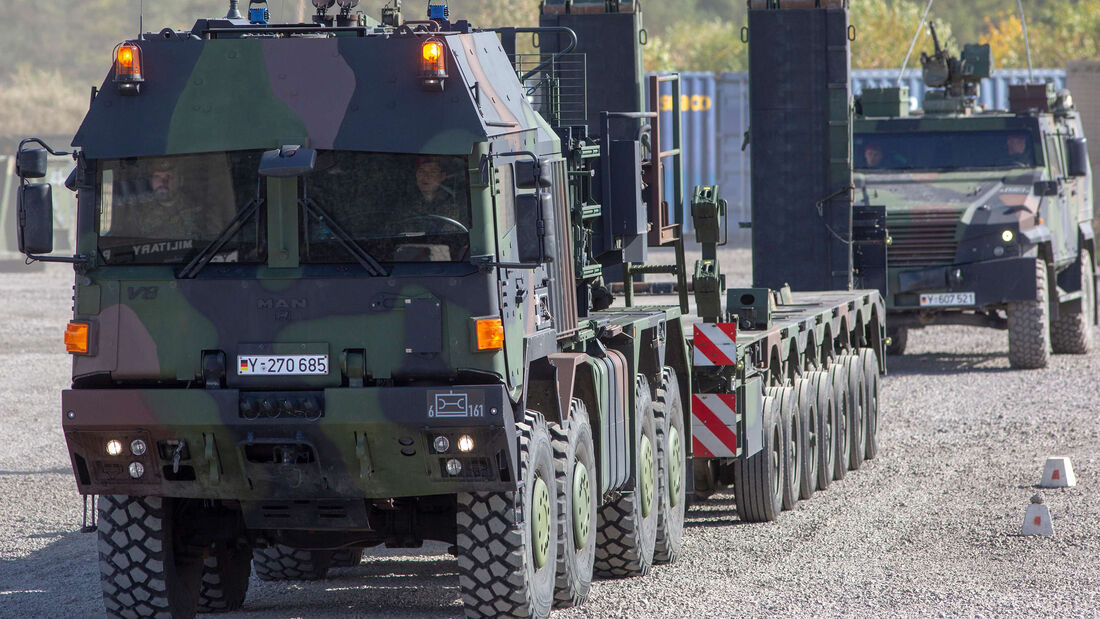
x: 347, y: 287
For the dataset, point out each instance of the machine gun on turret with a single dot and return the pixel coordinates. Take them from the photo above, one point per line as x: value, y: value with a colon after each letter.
x: 958, y: 80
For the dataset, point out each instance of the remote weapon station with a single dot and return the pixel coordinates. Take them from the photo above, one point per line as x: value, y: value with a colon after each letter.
x: 342, y: 284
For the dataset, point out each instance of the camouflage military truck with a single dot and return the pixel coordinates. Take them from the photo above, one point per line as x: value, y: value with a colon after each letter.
x: 342, y: 284
x: 989, y: 212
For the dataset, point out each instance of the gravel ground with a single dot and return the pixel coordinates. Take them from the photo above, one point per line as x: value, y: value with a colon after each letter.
x: 930, y: 527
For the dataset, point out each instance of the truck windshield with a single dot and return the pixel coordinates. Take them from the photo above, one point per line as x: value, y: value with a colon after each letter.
x: 398, y: 208
x: 940, y: 150
x: 165, y: 210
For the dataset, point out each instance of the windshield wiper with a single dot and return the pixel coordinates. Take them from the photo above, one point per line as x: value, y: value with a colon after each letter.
x: 206, y: 255
x: 365, y: 260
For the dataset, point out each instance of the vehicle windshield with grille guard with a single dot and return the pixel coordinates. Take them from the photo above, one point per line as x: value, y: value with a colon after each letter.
x: 395, y: 207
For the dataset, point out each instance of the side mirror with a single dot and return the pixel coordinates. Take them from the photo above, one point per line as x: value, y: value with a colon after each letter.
x: 288, y: 161
x: 35, y: 210
x: 1077, y: 155
x: 31, y: 163
x: 530, y: 176
x: 1046, y: 188
x: 535, y: 227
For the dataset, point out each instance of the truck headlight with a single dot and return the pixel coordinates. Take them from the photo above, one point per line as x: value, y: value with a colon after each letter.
x: 114, y: 447
x: 1007, y: 236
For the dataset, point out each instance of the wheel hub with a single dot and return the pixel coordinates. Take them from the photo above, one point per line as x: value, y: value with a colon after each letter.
x: 646, y: 453
x: 582, y: 499
x: 675, y: 466
x: 541, y: 523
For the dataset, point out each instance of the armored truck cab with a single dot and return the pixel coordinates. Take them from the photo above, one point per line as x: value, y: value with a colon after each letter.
x: 988, y: 212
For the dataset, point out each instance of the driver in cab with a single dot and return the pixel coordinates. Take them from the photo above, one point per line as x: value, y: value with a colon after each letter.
x: 432, y: 196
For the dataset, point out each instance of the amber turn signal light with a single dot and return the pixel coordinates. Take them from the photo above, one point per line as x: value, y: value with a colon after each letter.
x: 76, y: 338
x: 490, y: 334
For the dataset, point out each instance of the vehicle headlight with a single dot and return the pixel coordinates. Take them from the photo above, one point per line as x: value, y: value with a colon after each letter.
x: 441, y: 444
x: 137, y: 469
x: 114, y: 447
x: 1007, y: 236
x: 137, y: 447
x: 465, y: 443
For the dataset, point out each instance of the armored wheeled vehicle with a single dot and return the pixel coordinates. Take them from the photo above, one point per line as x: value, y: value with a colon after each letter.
x: 989, y: 212
x: 344, y: 284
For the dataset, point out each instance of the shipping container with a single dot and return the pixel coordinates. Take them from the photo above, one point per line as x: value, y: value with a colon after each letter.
x: 715, y: 110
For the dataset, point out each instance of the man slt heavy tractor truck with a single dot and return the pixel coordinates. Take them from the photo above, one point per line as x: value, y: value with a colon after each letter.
x: 990, y: 212
x: 340, y: 284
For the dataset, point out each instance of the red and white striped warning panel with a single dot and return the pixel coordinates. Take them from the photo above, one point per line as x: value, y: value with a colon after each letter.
x: 715, y: 344
x: 714, y: 425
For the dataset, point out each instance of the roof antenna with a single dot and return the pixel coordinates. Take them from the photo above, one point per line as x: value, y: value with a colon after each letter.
x: 916, y: 35
x: 234, y: 11
x: 1027, y: 45
x: 141, y: 18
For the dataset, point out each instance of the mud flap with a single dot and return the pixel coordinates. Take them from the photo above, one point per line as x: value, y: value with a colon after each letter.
x: 752, y: 416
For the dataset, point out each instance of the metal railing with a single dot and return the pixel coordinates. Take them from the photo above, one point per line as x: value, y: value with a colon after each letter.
x: 557, y: 89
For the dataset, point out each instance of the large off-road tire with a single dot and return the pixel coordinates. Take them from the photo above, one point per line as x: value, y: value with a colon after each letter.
x: 869, y: 364
x: 899, y: 339
x: 575, y: 468
x: 671, y: 469
x: 1029, y: 326
x: 838, y: 373
x: 627, y: 529
x: 281, y: 562
x: 792, y: 444
x: 758, y: 479
x: 143, y: 571
x: 1071, y: 332
x: 808, y: 442
x: 857, y: 409
x: 347, y: 557
x: 225, y: 573
x: 826, y: 427
x: 507, y: 541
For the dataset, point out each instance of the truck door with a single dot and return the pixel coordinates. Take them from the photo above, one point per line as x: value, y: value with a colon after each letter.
x: 1059, y: 211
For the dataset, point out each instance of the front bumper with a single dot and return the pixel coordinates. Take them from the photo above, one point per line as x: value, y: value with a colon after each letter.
x: 993, y: 282
x: 250, y: 446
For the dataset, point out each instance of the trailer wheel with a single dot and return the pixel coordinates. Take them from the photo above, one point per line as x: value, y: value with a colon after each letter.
x: 838, y: 375
x: 1029, y: 326
x: 224, y: 585
x: 808, y: 441
x: 899, y: 339
x: 671, y: 467
x: 507, y: 541
x: 826, y: 426
x: 857, y: 409
x: 347, y: 557
x: 281, y: 562
x: 1071, y: 332
x: 143, y: 568
x: 627, y: 531
x: 575, y: 469
x: 792, y: 445
x: 869, y: 361
x: 758, y: 479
